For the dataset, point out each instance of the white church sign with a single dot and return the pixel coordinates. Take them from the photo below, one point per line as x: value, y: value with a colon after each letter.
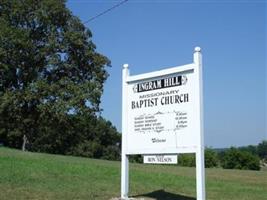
x: 162, y: 113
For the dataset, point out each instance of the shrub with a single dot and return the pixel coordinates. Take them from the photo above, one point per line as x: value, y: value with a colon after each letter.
x: 187, y: 160
x: 111, y: 153
x: 237, y: 159
x: 90, y: 149
x: 211, y: 158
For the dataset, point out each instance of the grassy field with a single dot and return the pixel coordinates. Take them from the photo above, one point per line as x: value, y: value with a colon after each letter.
x: 25, y: 175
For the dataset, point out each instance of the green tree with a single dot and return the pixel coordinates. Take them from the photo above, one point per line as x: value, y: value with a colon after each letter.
x: 234, y: 158
x: 262, y: 149
x: 187, y: 160
x: 100, y: 141
x: 49, y: 71
x: 211, y: 158
x: 250, y: 148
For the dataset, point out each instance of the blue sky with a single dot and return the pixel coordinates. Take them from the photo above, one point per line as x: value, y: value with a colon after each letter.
x: 152, y: 35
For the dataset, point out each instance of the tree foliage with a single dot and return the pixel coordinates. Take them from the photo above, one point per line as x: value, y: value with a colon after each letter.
x: 187, y: 160
x: 100, y: 141
x: 236, y: 159
x: 253, y: 149
x: 262, y: 149
x: 51, y: 81
x: 211, y: 158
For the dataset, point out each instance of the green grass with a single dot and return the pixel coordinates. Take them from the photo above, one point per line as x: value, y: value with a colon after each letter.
x: 25, y: 175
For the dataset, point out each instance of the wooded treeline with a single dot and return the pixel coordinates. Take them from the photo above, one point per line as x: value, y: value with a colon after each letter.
x: 250, y: 157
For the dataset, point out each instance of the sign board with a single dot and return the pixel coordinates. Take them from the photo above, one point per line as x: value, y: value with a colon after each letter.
x: 160, y: 159
x: 162, y: 113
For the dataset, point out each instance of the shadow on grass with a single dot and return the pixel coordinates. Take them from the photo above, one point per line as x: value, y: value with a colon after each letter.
x: 163, y: 195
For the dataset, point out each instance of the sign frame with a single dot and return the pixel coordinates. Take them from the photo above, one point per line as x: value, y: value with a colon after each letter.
x: 198, y: 149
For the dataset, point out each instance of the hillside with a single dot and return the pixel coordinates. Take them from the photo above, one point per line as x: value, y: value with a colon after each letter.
x: 25, y: 175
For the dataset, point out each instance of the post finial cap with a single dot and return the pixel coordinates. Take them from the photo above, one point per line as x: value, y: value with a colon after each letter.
x: 197, y: 49
x: 125, y: 66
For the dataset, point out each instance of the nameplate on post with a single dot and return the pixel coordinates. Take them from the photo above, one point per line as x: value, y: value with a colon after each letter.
x: 160, y: 159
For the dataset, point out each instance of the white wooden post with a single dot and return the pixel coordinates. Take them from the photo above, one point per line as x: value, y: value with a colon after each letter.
x: 124, y: 156
x: 200, y: 161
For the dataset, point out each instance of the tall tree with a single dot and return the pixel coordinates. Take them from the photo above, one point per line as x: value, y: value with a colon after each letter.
x: 49, y: 69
